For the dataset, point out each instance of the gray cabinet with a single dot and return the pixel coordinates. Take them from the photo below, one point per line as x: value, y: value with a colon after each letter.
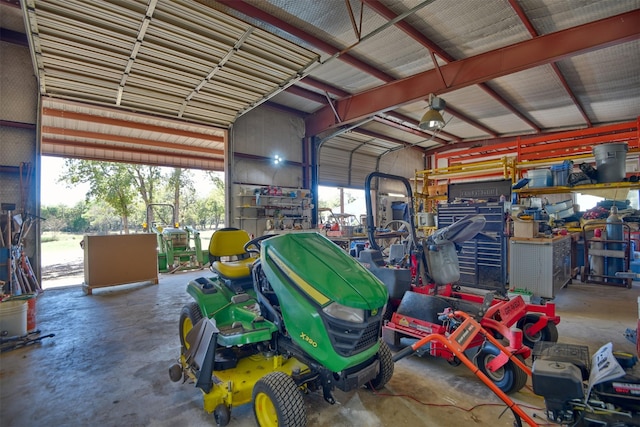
x: 542, y: 266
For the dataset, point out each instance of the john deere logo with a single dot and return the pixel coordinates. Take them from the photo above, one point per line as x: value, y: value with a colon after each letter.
x: 374, y: 311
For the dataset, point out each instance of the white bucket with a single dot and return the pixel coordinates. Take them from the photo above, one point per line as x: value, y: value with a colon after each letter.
x: 13, y: 318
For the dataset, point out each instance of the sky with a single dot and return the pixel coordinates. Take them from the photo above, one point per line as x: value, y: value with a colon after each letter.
x: 53, y: 193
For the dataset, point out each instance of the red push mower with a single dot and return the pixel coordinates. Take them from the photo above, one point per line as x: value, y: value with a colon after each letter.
x: 422, y: 286
x: 578, y: 390
x: 466, y: 332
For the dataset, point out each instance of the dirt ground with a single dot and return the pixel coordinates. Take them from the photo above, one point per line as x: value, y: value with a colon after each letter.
x: 62, y: 271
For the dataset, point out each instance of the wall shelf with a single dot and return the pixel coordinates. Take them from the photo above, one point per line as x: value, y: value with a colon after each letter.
x: 601, y: 190
x: 289, y: 210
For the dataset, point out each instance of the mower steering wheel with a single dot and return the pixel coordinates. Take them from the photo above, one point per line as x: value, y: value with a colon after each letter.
x: 253, y: 245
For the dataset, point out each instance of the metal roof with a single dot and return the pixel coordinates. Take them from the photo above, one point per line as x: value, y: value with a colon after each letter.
x: 508, y: 68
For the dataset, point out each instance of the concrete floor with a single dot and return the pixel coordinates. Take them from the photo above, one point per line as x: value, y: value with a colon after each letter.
x: 108, y: 365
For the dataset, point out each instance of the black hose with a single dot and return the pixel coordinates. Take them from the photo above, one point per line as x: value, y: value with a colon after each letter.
x: 407, y: 351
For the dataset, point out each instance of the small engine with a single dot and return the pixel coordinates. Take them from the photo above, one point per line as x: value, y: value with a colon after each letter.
x: 560, y: 374
x: 558, y: 382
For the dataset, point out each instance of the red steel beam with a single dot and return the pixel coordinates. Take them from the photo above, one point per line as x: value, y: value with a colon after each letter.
x: 325, y: 87
x: 456, y: 113
x: 527, y: 23
x: 416, y: 123
x: 545, y: 144
x: 308, y: 94
x: 254, y: 12
x: 480, y: 68
x: 432, y: 46
x: 404, y: 128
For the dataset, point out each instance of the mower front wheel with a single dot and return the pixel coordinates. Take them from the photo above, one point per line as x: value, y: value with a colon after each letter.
x: 278, y: 402
x: 189, y: 316
x: 386, y: 368
x: 548, y: 333
x: 509, y: 378
x: 222, y: 415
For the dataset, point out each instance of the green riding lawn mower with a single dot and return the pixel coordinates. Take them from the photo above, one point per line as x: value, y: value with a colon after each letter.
x: 281, y: 316
x: 179, y: 248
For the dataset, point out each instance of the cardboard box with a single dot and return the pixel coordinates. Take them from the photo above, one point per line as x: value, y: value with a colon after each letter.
x: 525, y: 228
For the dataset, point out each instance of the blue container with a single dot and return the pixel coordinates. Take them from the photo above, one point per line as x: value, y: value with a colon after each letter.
x: 539, y: 178
x: 561, y: 173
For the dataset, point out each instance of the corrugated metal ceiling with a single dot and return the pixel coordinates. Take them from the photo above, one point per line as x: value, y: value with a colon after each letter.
x: 209, y: 61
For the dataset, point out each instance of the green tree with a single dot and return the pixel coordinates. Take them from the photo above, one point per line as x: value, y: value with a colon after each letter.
x: 216, y: 200
x: 181, y: 188
x: 146, y: 179
x: 54, y: 220
x: 101, y: 216
x: 110, y: 182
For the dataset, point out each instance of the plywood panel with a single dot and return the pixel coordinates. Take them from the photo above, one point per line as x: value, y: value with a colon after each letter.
x: 119, y: 259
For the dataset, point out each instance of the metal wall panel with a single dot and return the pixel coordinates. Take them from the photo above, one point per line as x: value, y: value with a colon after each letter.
x: 18, y: 144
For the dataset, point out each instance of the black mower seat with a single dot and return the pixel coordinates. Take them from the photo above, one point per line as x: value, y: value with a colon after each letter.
x: 227, y: 254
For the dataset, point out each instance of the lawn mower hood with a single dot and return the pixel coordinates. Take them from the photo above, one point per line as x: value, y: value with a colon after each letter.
x: 331, y: 305
x: 322, y: 271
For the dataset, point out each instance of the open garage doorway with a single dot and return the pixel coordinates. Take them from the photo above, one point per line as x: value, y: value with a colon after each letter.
x: 73, y: 206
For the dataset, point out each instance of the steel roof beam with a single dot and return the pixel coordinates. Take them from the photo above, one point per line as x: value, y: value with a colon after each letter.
x: 414, y: 122
x: 254, y: 12
x: 527, y: 23
x: 405, y: 128
x: 432, y: 46
x: 456, y: 113
x: 263, y: 16
x: 308, y: 94
x: 325, y: 87
x: 377, y: 135
x: 480, y: 68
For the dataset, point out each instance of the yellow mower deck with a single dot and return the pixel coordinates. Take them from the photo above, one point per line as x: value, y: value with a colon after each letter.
x: 234, y: 387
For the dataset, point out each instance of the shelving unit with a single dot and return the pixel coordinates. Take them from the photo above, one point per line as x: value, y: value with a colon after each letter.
x: 290, y: 210
x: 593, y: 189
x: 435, y: 181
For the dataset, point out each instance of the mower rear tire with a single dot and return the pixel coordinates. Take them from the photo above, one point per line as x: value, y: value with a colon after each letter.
x: 509, y: 378
x: 189, y: 316
x: 386, y: 368
x: 548, y: 333
x: 278, y: 402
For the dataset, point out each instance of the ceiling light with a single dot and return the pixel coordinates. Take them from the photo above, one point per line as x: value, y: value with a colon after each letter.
x: 432, y: 119
x: 277, y: 159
